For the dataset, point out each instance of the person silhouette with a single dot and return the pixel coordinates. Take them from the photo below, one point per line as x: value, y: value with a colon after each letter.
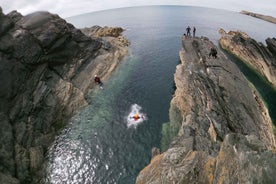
x: 194, y: 31
x: 188, y: 29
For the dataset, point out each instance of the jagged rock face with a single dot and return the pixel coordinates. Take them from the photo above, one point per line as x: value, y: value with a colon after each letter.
x: 97, y: 31
x: 226, y: 135
x: 256, y: 55
x: 46, y: 68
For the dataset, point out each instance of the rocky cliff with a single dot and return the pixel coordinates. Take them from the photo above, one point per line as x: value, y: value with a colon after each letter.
x: 256, y: 55
x: 46, y: 69
x: 260, y: 16
x: 225, y: 135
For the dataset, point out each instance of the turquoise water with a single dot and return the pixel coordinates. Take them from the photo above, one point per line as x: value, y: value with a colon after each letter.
x: 97, y: 146
x: 265, y: 89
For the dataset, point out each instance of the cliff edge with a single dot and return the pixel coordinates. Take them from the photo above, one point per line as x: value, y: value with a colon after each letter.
x: 225, y: 135
x: 256, y: 55
x: 47, y: 67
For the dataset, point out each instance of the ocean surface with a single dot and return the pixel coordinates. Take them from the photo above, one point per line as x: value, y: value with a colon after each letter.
x: 98, y: 146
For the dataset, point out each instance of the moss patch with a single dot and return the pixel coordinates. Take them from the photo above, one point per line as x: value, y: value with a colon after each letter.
x: 170, y: 129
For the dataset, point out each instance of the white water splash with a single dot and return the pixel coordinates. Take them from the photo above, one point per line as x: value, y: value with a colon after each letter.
x: 135, y: 109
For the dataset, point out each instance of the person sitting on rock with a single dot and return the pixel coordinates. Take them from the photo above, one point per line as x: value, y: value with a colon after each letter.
x: 98, y: 81
x: 213, y: 53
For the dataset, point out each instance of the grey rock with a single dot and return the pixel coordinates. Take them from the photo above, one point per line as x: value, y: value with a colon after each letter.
x: 8, y: 179
x: 226, y: 134
x: 47, y: 67
x: 15, y: 16
x: 271, y: 45
x: 6, y: 24
x: 7, y: 163
x: 256, y: 55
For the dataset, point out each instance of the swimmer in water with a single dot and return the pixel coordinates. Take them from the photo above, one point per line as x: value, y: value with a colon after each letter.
x: 136, y: 117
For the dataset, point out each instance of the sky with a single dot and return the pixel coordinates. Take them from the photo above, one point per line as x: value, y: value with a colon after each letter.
x: 68, y: 8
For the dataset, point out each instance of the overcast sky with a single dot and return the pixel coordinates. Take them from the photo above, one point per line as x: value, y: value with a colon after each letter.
x: 67, y: 8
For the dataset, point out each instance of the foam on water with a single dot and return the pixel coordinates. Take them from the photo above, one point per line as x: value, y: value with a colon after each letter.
x: 135, y: 109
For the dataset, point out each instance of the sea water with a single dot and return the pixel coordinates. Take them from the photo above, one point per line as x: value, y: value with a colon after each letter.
x: 98, y: 146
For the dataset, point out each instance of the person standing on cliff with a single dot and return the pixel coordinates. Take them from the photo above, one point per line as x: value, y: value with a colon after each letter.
x: 194, y: 31
x: 98, y: 81
x: 188, y: 29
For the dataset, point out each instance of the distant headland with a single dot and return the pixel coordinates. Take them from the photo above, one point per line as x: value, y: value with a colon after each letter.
x: 260, y: 16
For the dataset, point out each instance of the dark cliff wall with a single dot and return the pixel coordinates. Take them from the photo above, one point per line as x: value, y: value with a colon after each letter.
x: 46, y: 68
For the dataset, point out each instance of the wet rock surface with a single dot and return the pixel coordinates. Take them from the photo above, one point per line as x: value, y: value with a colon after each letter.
x: 225, y: 135
x: 258, y: 56
x: 46, y: 69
